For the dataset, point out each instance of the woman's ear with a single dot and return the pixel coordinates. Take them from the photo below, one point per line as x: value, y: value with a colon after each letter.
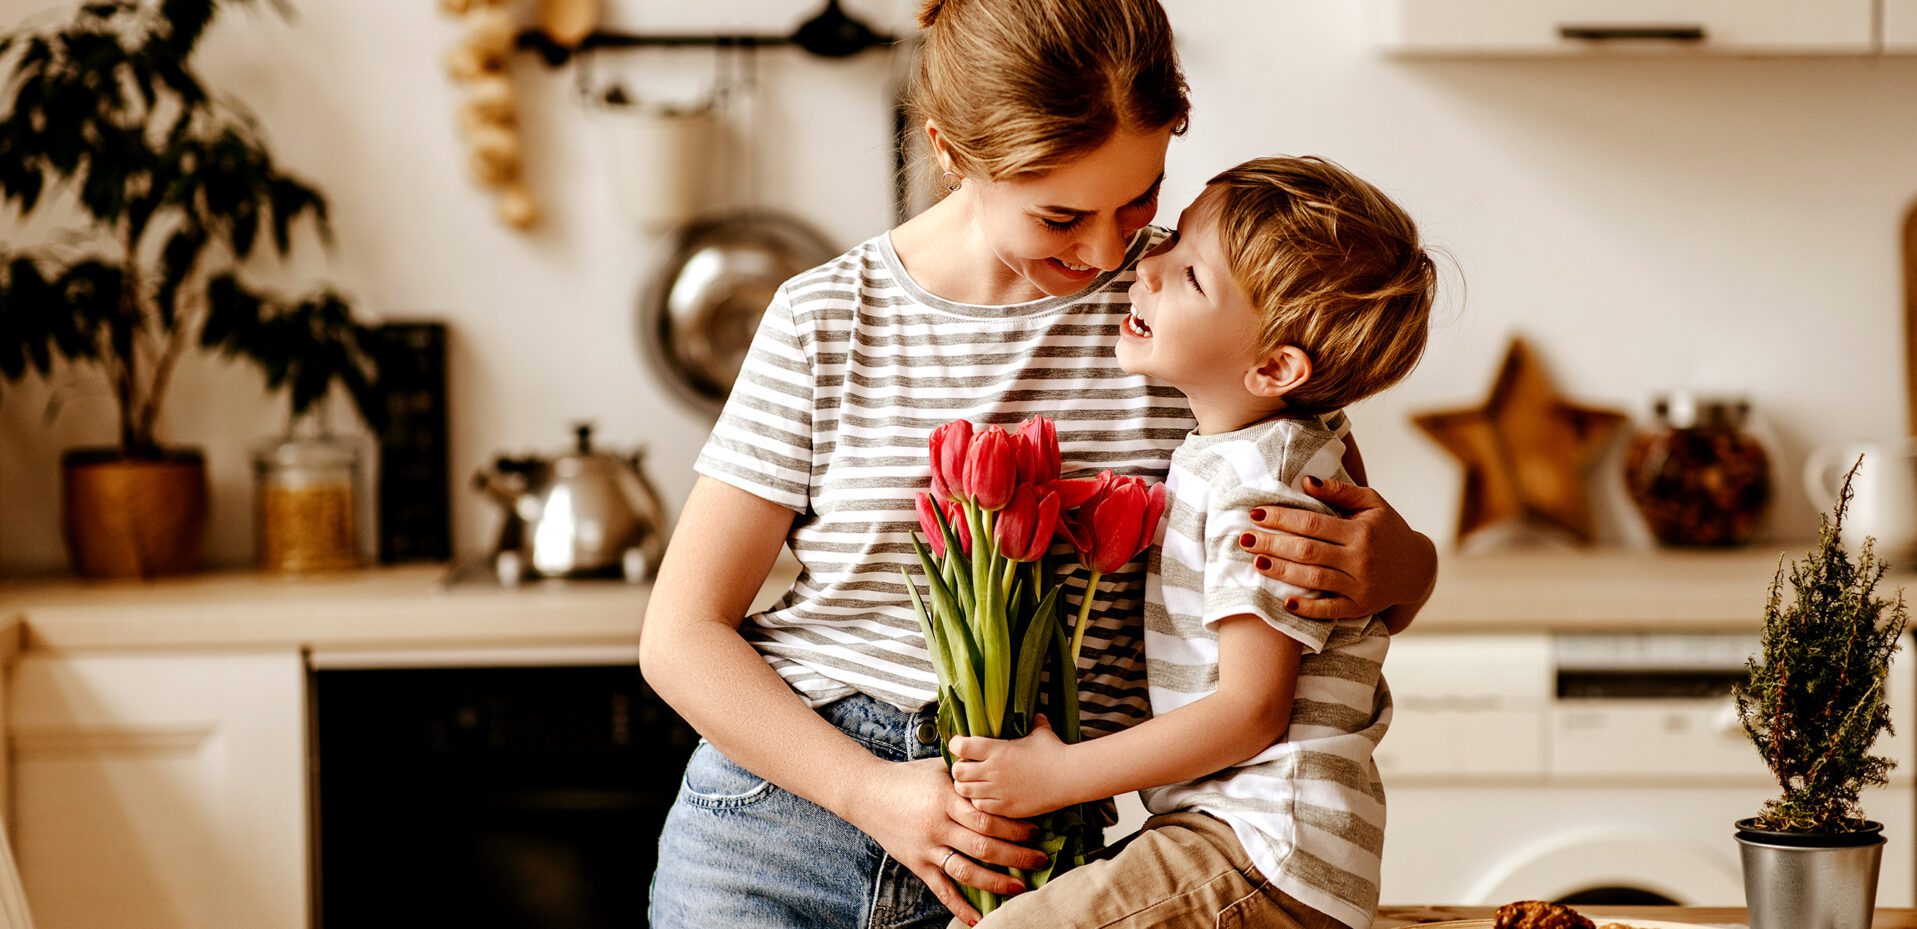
x: 937, y: 146
x: 1286, y: 369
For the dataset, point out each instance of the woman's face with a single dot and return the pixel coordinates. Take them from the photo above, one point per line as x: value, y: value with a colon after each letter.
x: 1061, y: 229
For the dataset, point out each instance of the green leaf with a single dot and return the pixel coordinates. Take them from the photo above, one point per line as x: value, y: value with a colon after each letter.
x: 935, y: 646
x: 243, y: 228
x: 1032, y: 650
x: 1063, y: 710
x: 186, y: 22
x: 951, y: 719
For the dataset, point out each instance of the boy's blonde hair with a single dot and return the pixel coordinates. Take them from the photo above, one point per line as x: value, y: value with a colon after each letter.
x: 1020, y: 87
x: 1333, y: 267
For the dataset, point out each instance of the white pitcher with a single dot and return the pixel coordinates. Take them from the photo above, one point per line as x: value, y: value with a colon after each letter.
x: 1884, y: 501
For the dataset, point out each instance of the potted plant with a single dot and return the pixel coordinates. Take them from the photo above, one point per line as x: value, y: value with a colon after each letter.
x: 1814, y: 703
x: 178, y: 190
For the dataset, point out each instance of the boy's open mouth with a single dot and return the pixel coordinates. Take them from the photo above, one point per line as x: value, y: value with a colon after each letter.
x: 1136, y: 326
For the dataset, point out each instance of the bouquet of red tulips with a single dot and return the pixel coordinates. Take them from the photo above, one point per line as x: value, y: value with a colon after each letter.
x: 992, y: 618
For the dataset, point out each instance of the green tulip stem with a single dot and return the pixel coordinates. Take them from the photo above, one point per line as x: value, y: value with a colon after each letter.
x: 1084, y: 617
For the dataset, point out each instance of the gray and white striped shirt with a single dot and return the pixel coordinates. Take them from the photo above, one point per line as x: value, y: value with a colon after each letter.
x: 1309, y: 810
x: 853, y: 367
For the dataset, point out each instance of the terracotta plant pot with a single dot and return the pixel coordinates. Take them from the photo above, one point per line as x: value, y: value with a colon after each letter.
x: 129, y: 517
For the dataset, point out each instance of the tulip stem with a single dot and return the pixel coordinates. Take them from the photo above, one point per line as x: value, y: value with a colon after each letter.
x: 1084, y: 617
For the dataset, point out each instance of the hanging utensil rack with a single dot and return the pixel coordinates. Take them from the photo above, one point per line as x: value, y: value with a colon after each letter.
x: 556, y: 55
x: 831, y: 33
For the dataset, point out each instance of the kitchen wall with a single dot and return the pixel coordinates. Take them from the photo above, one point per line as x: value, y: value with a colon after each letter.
x: 1648, y: 223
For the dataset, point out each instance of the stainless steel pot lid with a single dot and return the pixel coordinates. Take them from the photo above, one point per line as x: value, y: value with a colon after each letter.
x: 697, y: 322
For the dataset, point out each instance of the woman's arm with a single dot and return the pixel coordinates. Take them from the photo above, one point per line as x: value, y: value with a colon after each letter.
x: 1250, y: 710
x: 693, y: 656
x: 1366, y: 561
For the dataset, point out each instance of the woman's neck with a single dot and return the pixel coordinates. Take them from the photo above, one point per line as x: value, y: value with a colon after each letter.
x: 946, y: 254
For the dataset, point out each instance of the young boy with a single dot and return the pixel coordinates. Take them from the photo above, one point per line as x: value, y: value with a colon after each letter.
x: 1291, y: 290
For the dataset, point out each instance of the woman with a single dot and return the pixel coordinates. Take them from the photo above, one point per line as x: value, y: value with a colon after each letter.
x: 821, y: 799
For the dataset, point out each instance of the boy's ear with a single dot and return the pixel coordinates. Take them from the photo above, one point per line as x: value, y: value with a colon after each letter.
x: 1286, y: 369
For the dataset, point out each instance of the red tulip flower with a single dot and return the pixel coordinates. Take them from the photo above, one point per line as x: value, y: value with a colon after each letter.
x: 955, y: 517
x: 1117, y: 523
x: 1109, y: 529
x: 929, y: 524
x: 954, y: 512
x: 1037, y: 446
x: 1072, y: 494
x: 949, y: 445
x: 991, y: 469
x: 1025, y: 525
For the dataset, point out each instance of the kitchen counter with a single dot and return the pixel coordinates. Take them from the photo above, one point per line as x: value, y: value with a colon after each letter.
x: 407, y: 607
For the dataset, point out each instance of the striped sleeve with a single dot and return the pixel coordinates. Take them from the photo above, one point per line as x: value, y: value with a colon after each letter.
x: 1264, y: 471
x: 762, y: 443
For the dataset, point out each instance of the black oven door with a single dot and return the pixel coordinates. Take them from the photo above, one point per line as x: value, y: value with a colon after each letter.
x: 490, y: 797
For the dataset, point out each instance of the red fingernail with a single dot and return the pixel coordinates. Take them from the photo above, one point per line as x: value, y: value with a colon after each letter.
x: 1292, y: 605
x: 1313, y: 482
x: 1247, y: 540
x: 1258, y: 515
x: 1263, y: 563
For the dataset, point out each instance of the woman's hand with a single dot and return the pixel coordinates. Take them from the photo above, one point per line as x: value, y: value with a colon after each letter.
x: 1365, y: 562
x: 915, y: 815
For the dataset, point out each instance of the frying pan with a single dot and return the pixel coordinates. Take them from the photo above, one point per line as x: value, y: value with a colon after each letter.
x: 697, y: 322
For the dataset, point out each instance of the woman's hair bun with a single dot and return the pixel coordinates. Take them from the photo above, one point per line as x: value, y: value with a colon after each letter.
x: 929, y: 13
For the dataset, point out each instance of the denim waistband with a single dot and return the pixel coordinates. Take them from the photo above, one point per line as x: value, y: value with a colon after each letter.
x: 885, y: 730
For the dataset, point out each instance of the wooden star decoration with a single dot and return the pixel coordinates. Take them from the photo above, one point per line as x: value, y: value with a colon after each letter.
x: 1524, y: 451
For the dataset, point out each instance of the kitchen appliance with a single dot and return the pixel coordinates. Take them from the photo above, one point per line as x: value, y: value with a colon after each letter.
x: 1593, y: 768
x: 1601, y: 769
x: 582, y: 514
x: 502, y: 797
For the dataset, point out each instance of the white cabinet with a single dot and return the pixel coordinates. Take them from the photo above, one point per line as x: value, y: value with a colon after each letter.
x: 161, y: 791
x: 1563, y: 27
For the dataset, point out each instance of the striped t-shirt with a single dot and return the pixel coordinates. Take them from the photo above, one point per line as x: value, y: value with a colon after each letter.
x: 853, y: 367
x: 1310, y: 809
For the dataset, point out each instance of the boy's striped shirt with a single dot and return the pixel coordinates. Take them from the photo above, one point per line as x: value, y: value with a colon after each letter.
x: 1309, y: 809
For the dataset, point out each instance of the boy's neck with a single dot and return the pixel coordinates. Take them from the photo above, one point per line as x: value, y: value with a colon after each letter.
x: 1245, y: 410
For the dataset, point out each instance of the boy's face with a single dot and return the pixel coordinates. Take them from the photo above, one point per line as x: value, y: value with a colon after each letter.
x: 1191, y: 326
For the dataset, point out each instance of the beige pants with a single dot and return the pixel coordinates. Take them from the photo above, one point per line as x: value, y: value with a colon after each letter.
x: 1182, y: 869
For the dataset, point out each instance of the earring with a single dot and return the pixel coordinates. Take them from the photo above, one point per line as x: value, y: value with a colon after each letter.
x: 952, y: 181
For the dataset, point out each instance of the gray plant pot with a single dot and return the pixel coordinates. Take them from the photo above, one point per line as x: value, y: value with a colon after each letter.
x: 1810, y: 881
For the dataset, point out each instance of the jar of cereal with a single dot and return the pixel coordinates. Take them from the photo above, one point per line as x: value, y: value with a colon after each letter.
x: 308, y: 498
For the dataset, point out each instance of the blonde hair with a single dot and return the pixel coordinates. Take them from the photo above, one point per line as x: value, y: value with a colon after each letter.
x: 1020, y: 87
x: 1334, y: 268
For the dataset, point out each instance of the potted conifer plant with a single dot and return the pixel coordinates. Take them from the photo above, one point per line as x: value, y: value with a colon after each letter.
x: 1814, y: 702
x: 178, y: 190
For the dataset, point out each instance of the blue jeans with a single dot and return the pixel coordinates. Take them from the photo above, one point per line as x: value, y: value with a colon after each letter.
x: 739, y: 852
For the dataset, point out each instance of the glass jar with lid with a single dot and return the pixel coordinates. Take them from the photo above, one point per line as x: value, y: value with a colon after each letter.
x: 1699, y: 475
x: 308, y: 501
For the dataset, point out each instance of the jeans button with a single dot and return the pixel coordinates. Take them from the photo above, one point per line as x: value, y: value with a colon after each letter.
x: 928, y: 733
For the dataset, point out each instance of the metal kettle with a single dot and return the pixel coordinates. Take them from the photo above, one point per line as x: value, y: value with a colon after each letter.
x: 583, y: 514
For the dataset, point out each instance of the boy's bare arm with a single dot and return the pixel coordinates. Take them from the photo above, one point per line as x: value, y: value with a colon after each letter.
x: 1257, y: 677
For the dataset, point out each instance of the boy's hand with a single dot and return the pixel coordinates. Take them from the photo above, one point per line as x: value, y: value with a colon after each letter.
x: 1017, y: 779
